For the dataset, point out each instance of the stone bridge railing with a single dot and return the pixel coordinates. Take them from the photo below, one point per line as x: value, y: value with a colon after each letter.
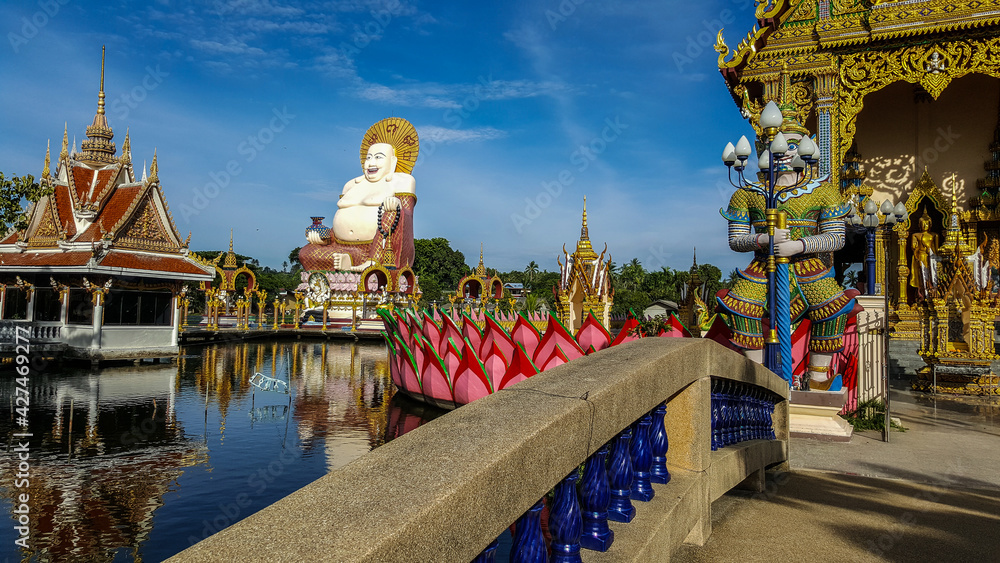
x: 445, y: 491
x: 34, y: 332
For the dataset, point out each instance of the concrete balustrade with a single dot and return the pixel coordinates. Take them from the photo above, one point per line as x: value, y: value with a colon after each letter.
x: 445, y: 491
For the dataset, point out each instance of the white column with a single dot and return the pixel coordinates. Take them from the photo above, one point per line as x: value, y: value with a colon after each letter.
x: 98, y: 321
x: 176, y: 319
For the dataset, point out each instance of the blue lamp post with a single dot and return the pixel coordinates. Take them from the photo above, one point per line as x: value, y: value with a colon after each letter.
x: 778, y: 342
x: 892, y: 214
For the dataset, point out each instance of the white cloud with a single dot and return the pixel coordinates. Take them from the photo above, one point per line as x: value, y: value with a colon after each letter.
x: 445, y: 135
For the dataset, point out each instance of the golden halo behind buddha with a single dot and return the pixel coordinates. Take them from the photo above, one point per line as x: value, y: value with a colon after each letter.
x: 399, y: 133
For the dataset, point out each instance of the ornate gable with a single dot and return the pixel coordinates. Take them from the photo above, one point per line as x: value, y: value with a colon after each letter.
x: 46, y: 232
x: 145, y: 228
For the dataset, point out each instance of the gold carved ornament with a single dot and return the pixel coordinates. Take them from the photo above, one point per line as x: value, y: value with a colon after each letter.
x: 933, y: 66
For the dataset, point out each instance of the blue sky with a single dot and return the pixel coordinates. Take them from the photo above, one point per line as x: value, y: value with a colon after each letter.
x: 522, y: 108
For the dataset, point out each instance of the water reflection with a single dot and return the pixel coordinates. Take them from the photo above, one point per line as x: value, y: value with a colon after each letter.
x: 138, y: 462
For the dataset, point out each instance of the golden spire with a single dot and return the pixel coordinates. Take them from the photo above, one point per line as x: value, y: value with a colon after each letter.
x: 230, y: 240
x: 98, y: 148
x: 481, y: 268
x: 584, y: 250
x: 64, y: 153
x: 100, y: 95
x: 45, y: 169
x: 154, y: 170
x: 126, y: 157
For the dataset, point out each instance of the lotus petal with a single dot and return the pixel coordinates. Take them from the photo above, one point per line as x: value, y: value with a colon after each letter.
x: 558, y: 358
x: 433, y: 333
x: 675, y: 328
x: 525, y: 334
x: 520, y: 368
x: 494, y: 334
x: 556, y: 335
x: 451, y: 330
x: 470, y: 379
x: 409, y: 374
x: 471, y: 332
x: 495, y: 362
x: 434, y: 376
x: 624, y: 335
x: 592, y: 334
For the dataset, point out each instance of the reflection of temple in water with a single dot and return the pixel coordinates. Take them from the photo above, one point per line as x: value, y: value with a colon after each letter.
x: 94, y: 487
x: 337, y: 388
x: 342, y: 387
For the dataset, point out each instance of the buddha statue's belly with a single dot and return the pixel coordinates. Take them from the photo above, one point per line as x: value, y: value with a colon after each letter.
x: 356, y: 224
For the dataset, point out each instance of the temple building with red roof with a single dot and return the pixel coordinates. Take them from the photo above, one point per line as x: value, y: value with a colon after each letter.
x: 101, y: 268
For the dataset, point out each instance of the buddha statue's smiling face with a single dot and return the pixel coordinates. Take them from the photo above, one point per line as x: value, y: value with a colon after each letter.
x: 380, y: 162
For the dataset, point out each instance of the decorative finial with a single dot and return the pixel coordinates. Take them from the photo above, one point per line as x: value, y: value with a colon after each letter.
x: 584, y: 234
x: 45, y: 169
x: 64, y: 153
x: 154, y: 169
x: 481, y: 268
x: 230, y: 240
x: 100, y: 96
x: 144, y: 171
x: 126, y: 157
x: 73, y: 151
x: 695, y: 262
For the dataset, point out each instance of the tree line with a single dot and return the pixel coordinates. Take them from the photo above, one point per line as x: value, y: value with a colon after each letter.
x: 440, y: 268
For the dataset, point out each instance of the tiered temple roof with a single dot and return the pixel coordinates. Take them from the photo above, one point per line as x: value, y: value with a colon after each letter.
x: 98, y: 219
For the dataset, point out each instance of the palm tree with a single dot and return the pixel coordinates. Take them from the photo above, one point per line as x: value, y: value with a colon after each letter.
x: 734, y: 275
x: 531, y: 303
x: 851, y: 278
x: 530, y: 271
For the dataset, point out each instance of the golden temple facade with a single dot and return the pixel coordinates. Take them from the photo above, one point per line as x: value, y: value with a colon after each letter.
x: 904, y: 98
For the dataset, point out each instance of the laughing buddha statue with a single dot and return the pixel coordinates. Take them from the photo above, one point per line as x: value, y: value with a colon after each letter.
x: 374, y: 219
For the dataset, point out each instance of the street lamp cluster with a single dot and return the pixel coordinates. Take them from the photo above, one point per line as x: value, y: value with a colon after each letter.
x: 777, y: 345
x: 892, y: 214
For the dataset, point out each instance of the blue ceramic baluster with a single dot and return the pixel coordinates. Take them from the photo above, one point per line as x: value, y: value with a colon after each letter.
x: 594, y: 500
x: 565, y: 522
x: 724, y: 414
x: 620, y: 479
x: 738, y: 413
x: 716, y: 423
x: 642, y: 459
x: 770, y: 420
x: 758, y: 418
x: 529, y: 543
x: 658, y: 440
x: 488, y: 555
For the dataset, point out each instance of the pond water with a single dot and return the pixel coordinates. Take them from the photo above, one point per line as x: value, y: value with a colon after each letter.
x: 139, y: 462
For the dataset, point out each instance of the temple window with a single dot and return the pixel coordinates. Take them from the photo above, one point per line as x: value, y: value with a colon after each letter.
x: 81, y: 308
x: 15, y: 305
x: 48, y: 307
x: 125, y: 307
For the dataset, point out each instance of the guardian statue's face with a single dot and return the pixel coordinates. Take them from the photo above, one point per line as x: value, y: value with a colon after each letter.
x: 784, y: 164
x: 380, y: 162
